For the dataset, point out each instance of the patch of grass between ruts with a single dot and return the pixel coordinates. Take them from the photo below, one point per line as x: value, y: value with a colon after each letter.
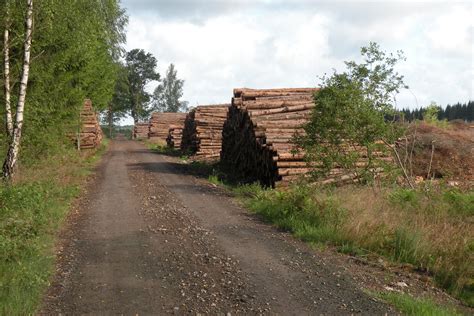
x: 31, y: 213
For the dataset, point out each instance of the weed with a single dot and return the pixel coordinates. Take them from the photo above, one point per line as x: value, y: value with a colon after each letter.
x: 407, y: 246
x: 31, y: 212
x: 419, y: 307
x: 406, y: 226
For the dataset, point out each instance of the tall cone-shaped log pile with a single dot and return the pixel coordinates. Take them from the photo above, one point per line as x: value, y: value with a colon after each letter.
x: 257, y: 136
x: 140, y: 130
x: 202, y: 135
x: 90, y: 135
x: 160, y: 124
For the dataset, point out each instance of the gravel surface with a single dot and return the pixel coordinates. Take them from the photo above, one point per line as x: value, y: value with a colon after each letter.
x: 150, y: 239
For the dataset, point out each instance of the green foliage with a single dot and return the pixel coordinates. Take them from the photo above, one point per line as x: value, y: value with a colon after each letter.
x: 407, y: 246
x: 403, y: 228
x: 456, y: 111
x: 31, y: 213
x: 405, y: 196
x: 311, y: 220
x: 416, y: 307
x: 459, y: 202
x: 76, y: 45
x: 119, y: 106
x: 167, y: 95
x: 351, y: 111
x: 431, y: 113
x: 141, y: 70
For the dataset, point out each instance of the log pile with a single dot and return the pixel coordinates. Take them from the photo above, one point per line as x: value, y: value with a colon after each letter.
x: 160, y: 124
x: 90, y: 135
x: 258, y: 136
x: 140, y: 130
x: 202, y: 135
x: 175, y: 134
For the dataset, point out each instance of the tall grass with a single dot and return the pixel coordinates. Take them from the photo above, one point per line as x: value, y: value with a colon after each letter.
x: 31, y: 212
x: 432, y: 230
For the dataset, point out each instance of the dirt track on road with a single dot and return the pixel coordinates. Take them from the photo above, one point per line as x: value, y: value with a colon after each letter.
x: 150, y: 239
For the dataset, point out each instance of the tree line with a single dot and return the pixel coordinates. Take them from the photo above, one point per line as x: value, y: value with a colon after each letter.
x: 458, y: 111
x: 57, y: 53
x: 131, y: 96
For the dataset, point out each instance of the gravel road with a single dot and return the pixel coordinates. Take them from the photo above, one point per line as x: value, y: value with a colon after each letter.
x: 150, y: 239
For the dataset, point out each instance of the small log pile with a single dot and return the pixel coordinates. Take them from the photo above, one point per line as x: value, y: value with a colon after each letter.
x: 202, y: 135
x: 160, y: 124
x: 140, y: 130
x: 90, y: 135
x: 175, y: 135
x: 258, y: 137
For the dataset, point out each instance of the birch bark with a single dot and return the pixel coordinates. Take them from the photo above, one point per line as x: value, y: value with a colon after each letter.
x: 6, y: 75
x: 14, y: 147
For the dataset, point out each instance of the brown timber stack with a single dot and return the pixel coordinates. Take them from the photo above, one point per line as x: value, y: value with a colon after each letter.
x: 175, y: 134
x: 140, y: 130
x: 160, y: 124
x: 202, y: 135
x: 90, y: 135
x: 258, y: 137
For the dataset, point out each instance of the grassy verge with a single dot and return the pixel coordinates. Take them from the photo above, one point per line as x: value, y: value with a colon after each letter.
x: 431, y: 230
x: 31, y: 212
x: 416, y: 307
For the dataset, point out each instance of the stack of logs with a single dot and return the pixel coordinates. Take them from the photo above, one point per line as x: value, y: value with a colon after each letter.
x: 257, y: 144
x: 90, y: 135
x: 175, y: 135
x: 258, y: 137
x: 160, y: 124
x: 202, y: 135
x: 140, y: 130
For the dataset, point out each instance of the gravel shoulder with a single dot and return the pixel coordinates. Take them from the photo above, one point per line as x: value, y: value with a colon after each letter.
x: 149, y: 239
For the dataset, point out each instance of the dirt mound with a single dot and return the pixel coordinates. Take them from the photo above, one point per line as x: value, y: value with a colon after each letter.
x: 450, y: 150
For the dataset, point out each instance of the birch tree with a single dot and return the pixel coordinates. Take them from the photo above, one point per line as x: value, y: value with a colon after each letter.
x: 15, y: 140
x: 6, y: 72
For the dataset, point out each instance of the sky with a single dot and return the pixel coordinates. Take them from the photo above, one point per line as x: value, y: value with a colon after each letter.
x: 219, y: 45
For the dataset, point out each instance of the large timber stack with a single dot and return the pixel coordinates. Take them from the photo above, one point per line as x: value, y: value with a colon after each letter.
x: 90, y: 134
x: 160, y: 124
x: 258, y: 138
x: 140, y: 130
x: 202, y: 135
x: 257, y: 142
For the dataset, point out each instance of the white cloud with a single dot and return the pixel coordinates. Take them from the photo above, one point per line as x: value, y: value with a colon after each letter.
x: 221, y: 45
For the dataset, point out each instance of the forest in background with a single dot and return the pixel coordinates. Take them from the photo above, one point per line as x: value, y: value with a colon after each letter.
x: 458, y: 111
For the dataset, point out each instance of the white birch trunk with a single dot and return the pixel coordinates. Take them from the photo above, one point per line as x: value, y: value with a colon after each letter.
x: 14, y: 148
x: 6, y: 77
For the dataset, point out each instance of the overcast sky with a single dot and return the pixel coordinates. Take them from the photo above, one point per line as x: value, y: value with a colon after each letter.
x: 218, y: 45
